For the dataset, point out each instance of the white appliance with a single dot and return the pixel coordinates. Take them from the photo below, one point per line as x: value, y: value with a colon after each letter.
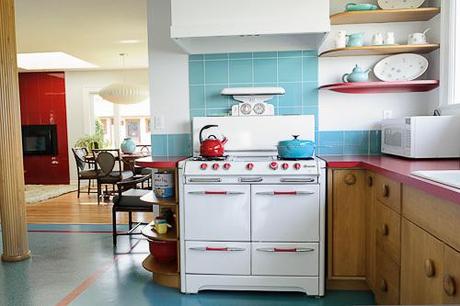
x: 253, y: 100
x: 222, y: 26
x: 249, y: 221
x: 422, y: 137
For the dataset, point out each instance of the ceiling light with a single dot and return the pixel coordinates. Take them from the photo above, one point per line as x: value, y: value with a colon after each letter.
x: 129, y: 41
x: 51, y: 61
x: 124, y: 93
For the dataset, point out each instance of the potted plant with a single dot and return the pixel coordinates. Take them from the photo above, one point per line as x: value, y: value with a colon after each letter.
x: 93, y: 141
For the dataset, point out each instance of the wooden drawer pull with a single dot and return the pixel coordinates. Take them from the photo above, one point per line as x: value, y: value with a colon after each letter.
x: 383, y: 286
x: 370, y: 181
x: 429, y: 268
x: 449, y: 285
x: 350, y: 179
x: 386, y: 191
x: 385, y: 230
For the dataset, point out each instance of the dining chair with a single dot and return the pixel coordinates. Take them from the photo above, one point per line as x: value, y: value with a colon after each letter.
x: 86, y: 169
x: 128, y: 199
x: 109, y: 169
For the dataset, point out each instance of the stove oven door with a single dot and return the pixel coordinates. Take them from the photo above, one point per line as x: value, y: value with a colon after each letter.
x: 217, y: 212
x: 285, y: 213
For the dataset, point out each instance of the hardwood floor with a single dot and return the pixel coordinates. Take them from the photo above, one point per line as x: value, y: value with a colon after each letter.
x: 68, y: 209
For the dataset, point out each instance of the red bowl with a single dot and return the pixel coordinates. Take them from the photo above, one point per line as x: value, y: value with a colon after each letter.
x: 163, y: 251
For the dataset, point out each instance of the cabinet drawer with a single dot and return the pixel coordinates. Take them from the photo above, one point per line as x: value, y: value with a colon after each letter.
x: 387, y: 280
x: 438, y: 217
x: 293, y: 259
x: 388, y: 232
x: 388, y: 192
x: 217, y: 258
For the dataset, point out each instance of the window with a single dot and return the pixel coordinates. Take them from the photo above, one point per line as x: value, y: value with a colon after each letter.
x: 121, y: 121
x: 450, y: 54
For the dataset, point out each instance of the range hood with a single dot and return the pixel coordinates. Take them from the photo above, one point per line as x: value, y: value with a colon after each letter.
x: 220, y: 26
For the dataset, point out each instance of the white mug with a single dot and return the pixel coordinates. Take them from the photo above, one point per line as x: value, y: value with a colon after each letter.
x: 377, y: 39
x: 390, y: 38
x: 341, y: 39
x: 417, y: 38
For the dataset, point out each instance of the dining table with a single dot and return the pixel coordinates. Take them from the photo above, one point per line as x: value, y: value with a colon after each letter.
x: 128, y: 159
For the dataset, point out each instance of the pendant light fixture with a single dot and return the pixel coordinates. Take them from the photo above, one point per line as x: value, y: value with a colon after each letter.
x: 124, y: 93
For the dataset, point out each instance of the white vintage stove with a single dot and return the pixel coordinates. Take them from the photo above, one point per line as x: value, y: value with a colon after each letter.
x: 250, y: 221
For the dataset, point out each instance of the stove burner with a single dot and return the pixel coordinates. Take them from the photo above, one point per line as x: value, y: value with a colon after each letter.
x: 203, y: 158
x: 295, y: 159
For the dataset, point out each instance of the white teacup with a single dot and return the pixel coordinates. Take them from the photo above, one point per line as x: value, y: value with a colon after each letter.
x: 417, y: 38
x: 390, y: 38
x: 377, y: 39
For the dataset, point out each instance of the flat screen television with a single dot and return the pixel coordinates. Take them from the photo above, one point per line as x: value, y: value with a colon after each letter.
x: 39, y: 140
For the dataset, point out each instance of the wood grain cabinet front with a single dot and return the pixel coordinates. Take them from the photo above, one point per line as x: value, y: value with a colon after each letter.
x: 451, y: 277
x: 387, y: 280
x: 388, y: 232
x: 388, y: 192
x: 422, y: 266
x: 346, y: 225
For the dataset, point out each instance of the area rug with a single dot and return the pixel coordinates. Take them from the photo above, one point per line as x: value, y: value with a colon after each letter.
x: 38, y: 193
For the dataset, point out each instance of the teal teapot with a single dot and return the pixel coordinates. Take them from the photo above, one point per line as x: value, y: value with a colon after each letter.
x: 357, y: 75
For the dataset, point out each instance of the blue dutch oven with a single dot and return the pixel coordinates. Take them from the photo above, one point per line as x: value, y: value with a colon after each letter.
x: 295, y: 148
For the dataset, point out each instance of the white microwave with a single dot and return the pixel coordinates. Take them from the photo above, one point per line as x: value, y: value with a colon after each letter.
x: 422, y: 137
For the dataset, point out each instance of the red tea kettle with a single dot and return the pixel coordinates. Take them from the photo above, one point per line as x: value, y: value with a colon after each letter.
x: 211, y: 147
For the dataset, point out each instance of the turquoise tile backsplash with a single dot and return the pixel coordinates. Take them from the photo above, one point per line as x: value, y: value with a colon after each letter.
x: 172, y: 145
x: 296, y: 71
x: 349, y: 142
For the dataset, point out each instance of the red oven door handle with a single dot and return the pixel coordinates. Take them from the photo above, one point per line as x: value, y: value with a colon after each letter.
x: 216, y: 192
x: 277, y: 250
x: 285, y: 193
x: 294, y: 193
x: 216, y: 249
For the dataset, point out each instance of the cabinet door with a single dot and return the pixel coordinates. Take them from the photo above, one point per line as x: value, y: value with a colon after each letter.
x: 421, y: 266
x: 370, y: 231
x: 451, y: 278
x: 387, y: 280
x: 347, y: 230
x: 388, y: 231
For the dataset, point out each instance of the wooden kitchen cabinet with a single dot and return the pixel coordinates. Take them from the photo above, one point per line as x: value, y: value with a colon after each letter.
x: 388, y: 192
x: 388, y: 231
x: 370, y: 231
x: 347, y: 199
x: 451, y: 277
x: 387, y: 277
x: 422, y: 266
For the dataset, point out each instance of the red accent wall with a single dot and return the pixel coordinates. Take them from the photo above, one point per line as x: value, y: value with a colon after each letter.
x: 43, y: 101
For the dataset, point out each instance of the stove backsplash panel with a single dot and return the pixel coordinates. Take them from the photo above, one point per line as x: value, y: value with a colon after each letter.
x: 296, y: 71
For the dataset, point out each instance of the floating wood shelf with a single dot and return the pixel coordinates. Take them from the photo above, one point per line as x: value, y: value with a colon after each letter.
x: 382, y: 16
x: 154, y: 266
x: 152, y: 198
x: 151, y: 234
x: 380, y: 50
x: 383, y: 87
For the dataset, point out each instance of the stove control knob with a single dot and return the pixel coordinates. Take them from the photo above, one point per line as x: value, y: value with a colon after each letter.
x: 285, y: 166
x: 227, y: 166
x: 203, y: 166
x: 215, y: 166
x: 250, y: 166
x: 274, y: 165
x: 297, y: 166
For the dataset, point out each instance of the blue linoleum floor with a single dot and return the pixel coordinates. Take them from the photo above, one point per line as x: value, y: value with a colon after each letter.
x: 63, y: 260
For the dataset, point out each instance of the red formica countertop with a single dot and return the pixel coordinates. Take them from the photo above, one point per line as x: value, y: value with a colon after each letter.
x: 160, y: 162
x: 400, y: 169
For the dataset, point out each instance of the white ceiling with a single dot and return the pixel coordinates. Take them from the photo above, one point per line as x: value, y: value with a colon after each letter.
x: 88, y: 29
